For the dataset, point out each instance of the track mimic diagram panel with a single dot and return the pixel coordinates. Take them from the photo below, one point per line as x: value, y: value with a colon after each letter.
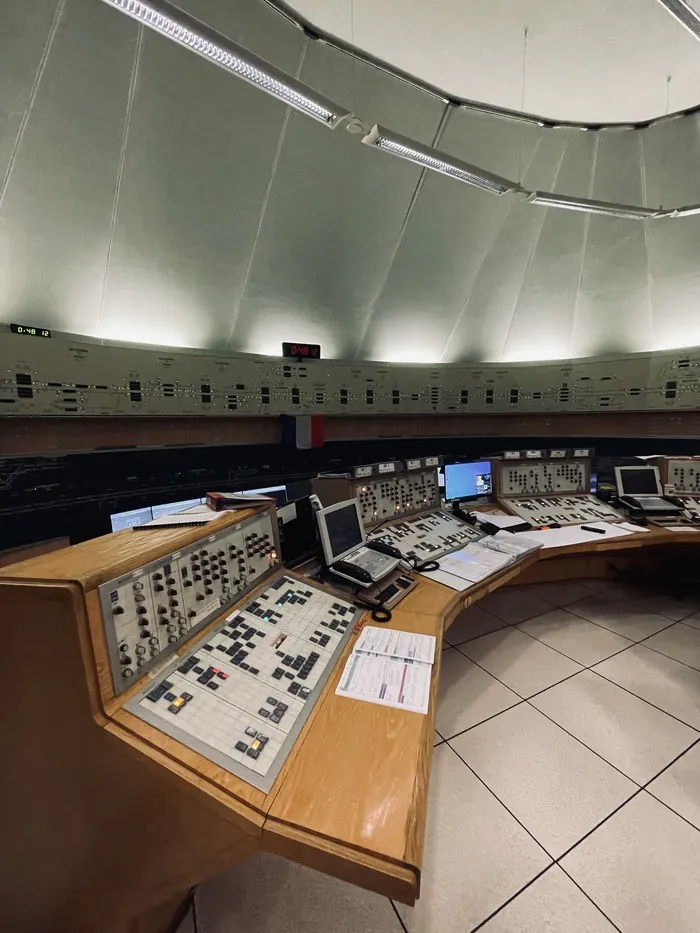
x: 242, y: 694
x: 70, y: 375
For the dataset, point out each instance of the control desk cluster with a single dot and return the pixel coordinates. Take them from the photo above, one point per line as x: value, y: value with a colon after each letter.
x: 683, y: 476
x: 428, y: 537
x: 147, y: 613
x: 541, y: 478
x: 385, y: 491
x: 242, y: 694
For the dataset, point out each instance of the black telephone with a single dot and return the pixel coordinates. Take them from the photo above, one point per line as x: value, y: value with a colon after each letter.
x: 350, y: 570
x: 383, y: 548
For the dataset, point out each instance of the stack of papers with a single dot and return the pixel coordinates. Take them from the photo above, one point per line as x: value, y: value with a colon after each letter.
x: 480, y: 559
x: 391, y: 668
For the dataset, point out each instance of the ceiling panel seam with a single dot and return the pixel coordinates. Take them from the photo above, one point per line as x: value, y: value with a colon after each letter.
x: 414, y: 198
x: 647, y: 245
x: 130, y: 98
x: 485, y: 256
x: 584, y: 243
x: 533, y: 250
x: 55, y: 23
x: 266, y: 198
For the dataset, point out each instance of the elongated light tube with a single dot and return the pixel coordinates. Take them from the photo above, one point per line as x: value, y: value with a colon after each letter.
x: 685, y: 15
x: 437, y: 161
x: 606, y: 208
x: 174, y: 24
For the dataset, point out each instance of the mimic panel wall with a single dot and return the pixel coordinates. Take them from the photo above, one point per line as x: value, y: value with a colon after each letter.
x: 61, y: 376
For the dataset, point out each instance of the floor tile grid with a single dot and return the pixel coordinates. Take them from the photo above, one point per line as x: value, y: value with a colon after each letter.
x: 563, y: 680
x: 642, y: 789
x: 528, y: 885
x: 554, y: 861
x: 682, y: 622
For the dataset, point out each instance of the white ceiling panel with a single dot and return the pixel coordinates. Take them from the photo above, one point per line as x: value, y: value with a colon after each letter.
x: 56, y: 205
x: 334, y: 214
x: 596, y: 61
x: 192, y: 190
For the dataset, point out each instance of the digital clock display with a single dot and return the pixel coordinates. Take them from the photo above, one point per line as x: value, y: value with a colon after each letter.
x: 29, y: 331
x: 302, y: 351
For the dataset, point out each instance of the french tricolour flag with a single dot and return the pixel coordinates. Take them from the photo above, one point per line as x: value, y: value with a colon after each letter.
x: 304, y: 431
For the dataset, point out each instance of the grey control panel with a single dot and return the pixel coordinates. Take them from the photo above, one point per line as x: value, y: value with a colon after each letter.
x: 148, y: 612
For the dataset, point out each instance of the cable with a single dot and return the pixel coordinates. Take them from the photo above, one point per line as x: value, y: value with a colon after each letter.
x: 379, y: 613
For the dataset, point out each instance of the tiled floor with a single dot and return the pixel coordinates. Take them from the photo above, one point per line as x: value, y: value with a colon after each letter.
x: 565, y: 787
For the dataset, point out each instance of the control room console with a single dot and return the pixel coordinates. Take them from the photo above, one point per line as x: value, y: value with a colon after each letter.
x: 544, y: 489
x: 384, y: 490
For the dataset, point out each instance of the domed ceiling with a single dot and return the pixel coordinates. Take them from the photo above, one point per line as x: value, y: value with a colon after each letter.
x: 149, y: 196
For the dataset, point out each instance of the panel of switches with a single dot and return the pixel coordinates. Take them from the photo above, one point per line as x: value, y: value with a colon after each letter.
x: 393, y: 496
x: 148, y: 612
x: 540, y: 479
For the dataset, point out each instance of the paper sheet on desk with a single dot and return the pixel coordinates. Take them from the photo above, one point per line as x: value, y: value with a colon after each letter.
x: 393, y: 643
x: 499, y: 519
x: 387, y: 681
x: 574, y: 534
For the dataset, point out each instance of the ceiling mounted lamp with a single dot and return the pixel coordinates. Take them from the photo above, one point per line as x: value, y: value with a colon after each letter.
x: 169, y: 21
x: 437, y: 161
x: 685, y: 15
x: 587, y: 206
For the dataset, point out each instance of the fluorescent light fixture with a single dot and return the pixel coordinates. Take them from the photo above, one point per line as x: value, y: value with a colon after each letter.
x: 172, y: 23
x: 547, y: 199
x: 427, y: 157
x: 685, y: 15
x: 684, y: 211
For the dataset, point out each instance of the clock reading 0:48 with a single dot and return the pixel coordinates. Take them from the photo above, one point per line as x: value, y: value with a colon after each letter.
x: 29, y: 331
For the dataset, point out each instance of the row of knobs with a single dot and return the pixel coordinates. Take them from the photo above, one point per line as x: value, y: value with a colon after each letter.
x: 205, y: 568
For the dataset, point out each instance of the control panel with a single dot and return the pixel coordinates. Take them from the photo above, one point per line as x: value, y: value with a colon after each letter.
x: 562, y: 510
x: 683, y: 476
x: 428, y: 536
x: 241, y: 696
x: 385, y: 495
x: 531, y: 478
x: 146, y: 613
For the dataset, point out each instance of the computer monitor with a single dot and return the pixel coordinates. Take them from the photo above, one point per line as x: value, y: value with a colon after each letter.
x: 593, y: 486
x: 467, y: 480
x: 340, y: 529
x: 278, y: 493
x: 638, y: 481
x: 122, y: 520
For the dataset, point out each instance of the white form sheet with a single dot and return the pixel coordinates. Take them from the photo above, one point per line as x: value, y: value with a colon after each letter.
x: 387, y: 681
x: 396, y: 644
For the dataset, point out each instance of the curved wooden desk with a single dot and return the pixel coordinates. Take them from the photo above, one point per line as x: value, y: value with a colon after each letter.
x: 105, y: 824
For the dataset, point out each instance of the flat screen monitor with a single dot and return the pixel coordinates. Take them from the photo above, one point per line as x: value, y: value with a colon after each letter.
x: 467, y: 480
x: 638, y: 481
x: 594, y: 483
x: 340, y: 529
x: 278, y: 493
x: 122, y: 520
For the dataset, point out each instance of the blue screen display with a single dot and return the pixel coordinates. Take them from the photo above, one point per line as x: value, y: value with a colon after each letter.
x: 467, y: 480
